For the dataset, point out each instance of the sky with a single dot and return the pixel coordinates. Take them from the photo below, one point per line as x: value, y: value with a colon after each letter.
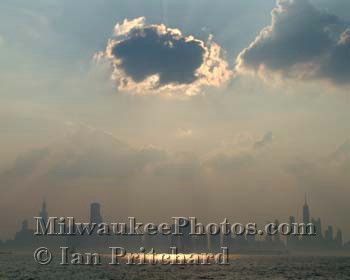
x: 164, y: 108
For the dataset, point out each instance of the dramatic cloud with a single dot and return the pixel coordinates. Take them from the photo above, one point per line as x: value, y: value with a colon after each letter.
x: 158, y: 59
x: 301, y: 42
x: 336, y: 66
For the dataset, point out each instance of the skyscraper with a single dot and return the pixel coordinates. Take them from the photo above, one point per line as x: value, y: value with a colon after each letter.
x: 95, y: 213
x: 318, y: 226
x: 306, y: 212
x: 339, y: 238
x: 329, y: 234
x: 43, y: 212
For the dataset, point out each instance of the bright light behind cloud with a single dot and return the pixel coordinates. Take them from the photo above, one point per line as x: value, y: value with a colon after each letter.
x: 155, y: 59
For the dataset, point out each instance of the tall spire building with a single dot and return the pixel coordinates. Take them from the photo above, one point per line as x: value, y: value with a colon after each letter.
x: 306, y: 212
x: 43, y: 212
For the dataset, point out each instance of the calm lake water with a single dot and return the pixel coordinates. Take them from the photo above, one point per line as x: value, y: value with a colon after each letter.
x: 245, y: 267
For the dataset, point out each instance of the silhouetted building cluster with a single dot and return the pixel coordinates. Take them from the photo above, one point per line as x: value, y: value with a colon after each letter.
x: 323, y: 241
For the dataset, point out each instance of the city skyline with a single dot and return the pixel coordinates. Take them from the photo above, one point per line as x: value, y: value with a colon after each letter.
x: 325, y: 240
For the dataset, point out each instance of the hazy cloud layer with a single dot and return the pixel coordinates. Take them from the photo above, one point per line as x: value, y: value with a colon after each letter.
x: 242, y: 152
x: 265, y: 140
x: 302, y: 42
x: 155, y: 58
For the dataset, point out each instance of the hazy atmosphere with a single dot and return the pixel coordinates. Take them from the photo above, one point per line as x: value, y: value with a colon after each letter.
x: 166, y: 108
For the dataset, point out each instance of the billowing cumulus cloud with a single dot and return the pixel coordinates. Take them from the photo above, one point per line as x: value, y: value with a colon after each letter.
x: 301, y: 42
x: 158, y: 59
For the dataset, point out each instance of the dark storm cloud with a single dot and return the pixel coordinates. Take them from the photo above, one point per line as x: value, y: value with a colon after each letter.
x: 336, y: 65
x: 301, y: 42
x: 146, y: 52
x: 155, y: 57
